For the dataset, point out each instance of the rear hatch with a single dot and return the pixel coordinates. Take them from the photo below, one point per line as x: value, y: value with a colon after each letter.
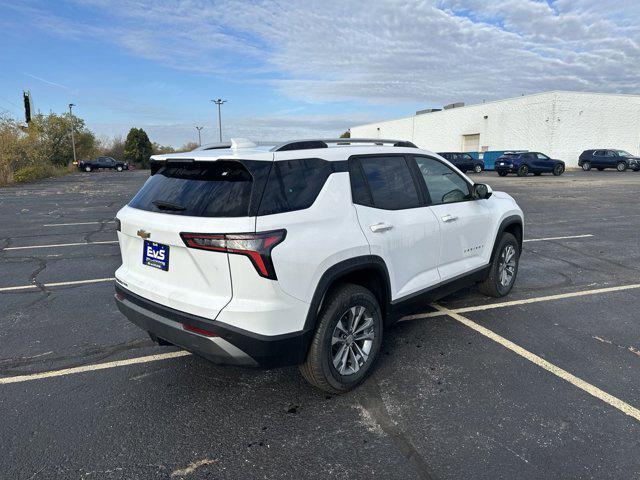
x: 215, y: 197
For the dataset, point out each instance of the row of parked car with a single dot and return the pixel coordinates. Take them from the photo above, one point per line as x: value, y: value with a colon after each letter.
x: 524, y: 162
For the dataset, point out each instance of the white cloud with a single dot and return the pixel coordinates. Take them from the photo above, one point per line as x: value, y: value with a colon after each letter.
x: 418, y: 53
x: 390, y: 51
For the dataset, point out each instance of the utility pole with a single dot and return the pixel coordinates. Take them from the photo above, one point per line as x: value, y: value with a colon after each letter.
x: 73, y: 141
x: 219, y: 102
x: 199, y: 137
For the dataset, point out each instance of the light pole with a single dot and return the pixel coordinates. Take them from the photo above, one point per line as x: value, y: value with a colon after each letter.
x: 199, y: 137
x: 73, y: 141
x: 219, y: 102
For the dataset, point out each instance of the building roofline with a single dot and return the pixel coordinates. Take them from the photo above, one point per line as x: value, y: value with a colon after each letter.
x: 548, y: 92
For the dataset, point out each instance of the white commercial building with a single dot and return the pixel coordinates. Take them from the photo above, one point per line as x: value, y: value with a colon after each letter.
x: 559, y: 124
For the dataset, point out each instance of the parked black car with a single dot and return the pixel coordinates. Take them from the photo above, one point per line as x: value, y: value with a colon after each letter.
x: 522, y: 163
x: 608, y: 158
x: 463, y: 161
x: 103, y: 162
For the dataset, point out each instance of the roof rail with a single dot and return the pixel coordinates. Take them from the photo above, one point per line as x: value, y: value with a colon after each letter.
x: 324, y: 143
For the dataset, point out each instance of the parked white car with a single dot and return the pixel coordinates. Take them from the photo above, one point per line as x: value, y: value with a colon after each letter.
x: 302, y: 253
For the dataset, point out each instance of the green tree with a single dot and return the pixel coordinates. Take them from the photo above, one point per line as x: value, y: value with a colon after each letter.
x: 138, y: 147
x: 346, y: 134
x: 54, y: 133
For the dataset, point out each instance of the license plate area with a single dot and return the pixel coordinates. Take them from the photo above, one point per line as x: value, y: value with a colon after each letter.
x: 155, y: 255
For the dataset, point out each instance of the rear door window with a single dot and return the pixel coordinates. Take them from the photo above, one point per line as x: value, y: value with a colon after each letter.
x: 199, y: 189
x: 389, y: 183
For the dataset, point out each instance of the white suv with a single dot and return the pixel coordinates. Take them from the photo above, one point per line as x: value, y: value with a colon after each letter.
x: 302, y: 253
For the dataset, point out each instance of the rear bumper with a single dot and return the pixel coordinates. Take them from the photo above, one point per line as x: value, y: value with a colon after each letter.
x: 229, y: 346
x: 505, y: 168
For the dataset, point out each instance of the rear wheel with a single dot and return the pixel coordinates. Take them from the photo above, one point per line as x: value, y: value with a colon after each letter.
x: 621, y: 166
x: 558, y: 169
x: 502, y: 174
x: 523, y: 171
x: 119, y: 168
x: 586, y: 166
x: 503, y: 269
x: 477, y: 168
x: 87, y: 168
x: 346, y: 342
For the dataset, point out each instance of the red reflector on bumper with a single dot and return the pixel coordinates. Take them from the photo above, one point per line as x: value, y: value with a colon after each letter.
x: 200, y: 331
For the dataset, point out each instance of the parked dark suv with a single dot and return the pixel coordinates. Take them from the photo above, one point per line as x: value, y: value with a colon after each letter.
x: 463, y: 161
x: 608, y: 158
x: 522, y: 163
x: 103, y: 162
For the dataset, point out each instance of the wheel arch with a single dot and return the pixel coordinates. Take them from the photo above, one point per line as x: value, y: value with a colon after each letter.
x: 369, y: 271
x: 511, y: 224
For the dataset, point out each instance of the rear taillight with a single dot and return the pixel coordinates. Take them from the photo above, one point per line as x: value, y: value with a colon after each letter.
x: 256, y: 246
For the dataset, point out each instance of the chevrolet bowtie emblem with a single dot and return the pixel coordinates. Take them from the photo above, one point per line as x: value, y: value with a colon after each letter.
x: 143, y: 234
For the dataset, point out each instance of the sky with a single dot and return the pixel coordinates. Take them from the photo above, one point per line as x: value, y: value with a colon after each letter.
x: 301, y: 69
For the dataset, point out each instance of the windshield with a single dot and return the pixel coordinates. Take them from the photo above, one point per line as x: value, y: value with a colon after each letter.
x: 622, y: 153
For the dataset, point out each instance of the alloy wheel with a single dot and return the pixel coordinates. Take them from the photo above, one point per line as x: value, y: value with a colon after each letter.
x: 352, y: 340
x: 507, y: 265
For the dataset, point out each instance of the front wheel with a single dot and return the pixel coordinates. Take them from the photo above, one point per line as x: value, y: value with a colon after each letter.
x: 477, y: 168
x: 503, y: 269
x: 87, y: 168
x: 586, y: 166
x: 558, y: 169
x: 621, y: 166
x: 346, y: 342
x: 523, y: 170
x: 119, y: 169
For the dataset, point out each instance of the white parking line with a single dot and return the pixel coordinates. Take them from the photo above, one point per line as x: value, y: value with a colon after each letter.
x: 441, y: 311
x: 94, y: 367
x: 57, y: 284
x: 526, y: 301
x: 548, y: 366
x: 61, y: 245
x: 587, y: 235
x: 75, y: 223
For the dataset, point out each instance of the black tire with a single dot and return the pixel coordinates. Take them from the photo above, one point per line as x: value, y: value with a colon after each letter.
x: 558, y: 169
x: 119, y: 169
x: 621, y: 166
x: 502, y: 174
x: 88, y: 168
x: 600, y: 169
x: 523, y: 170
x: 586, y: 166
x: 318, y: 368
x: 477, y: 169
x: 492, y: 286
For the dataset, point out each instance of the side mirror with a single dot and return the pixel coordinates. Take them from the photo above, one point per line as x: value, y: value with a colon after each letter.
x: 481, y: 191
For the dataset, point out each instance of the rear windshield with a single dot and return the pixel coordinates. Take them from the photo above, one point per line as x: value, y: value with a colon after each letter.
x: 198, y: 189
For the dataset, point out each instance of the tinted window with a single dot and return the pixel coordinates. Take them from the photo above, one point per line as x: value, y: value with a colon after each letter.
x: 294, y: 185
x: 390, y: 182
x: 199, y: 189
x: 443, y: 184
x: 542, y: 156
x: 610, y: 153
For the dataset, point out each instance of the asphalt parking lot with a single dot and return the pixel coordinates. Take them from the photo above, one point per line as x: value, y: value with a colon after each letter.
x: 543, y: 384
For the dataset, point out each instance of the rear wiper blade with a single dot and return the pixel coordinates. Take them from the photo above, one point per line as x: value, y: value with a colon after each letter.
x: 162, y: 205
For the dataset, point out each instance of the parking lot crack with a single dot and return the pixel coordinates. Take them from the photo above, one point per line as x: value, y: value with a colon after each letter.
x: 371, y: 401
x: 631, y: 348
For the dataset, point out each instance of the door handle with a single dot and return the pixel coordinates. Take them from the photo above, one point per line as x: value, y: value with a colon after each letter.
x: 449, y: 218
x: 380, y: 227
